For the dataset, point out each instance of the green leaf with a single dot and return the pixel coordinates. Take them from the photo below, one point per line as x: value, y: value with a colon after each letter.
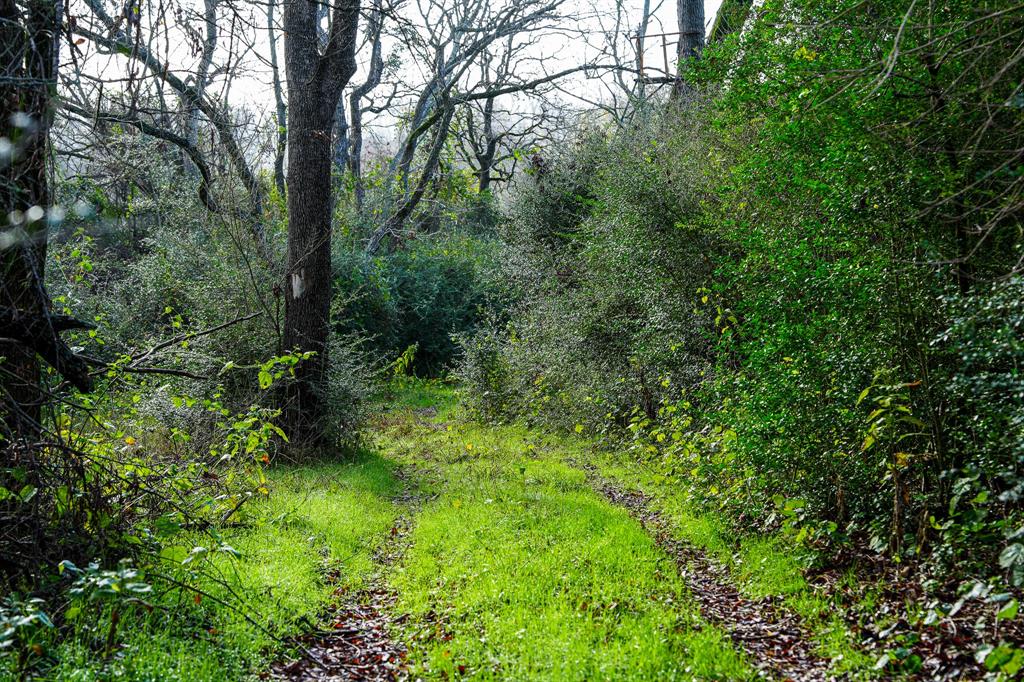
x: 1016, y: 662
x: 174, y: 553
x: 265, y: 379
x: 27, y: 493
x: 1009, y: 611
x: 1012, y: 555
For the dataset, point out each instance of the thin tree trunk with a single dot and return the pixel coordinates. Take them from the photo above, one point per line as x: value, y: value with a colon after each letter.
x: 396, y: 221
x: 354, y: 152
x: 341, y: 141
x: 202, y: 77
x: 282, y: 110
x: 486, y: 159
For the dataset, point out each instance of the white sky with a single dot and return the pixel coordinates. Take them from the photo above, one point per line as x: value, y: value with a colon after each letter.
x: 557, y: 51
x: 580, y: 42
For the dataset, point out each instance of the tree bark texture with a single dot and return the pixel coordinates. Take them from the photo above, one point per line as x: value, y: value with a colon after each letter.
x: 315, y: 81
x: 690, y: 14
x: 29, y: 34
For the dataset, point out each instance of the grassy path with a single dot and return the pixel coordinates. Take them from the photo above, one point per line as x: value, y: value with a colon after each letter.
x: 521, y: 569
x: 476, y: 552
x: 318, y: 521
x: 518, y: 570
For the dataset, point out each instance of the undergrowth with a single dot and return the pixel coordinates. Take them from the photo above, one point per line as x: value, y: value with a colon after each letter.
x: 227, y: 612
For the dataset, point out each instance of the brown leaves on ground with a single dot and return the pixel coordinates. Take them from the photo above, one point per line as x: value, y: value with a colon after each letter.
x: 357, y: 645
x: 772, y: 638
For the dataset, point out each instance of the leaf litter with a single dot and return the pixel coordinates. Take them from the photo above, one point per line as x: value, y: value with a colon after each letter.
x: 772, y: 638
x: 357, y: 643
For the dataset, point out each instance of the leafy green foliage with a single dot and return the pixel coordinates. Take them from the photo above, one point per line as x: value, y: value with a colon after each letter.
x: 799, y: 293
x: 23, y: 625
x: 422, y: 294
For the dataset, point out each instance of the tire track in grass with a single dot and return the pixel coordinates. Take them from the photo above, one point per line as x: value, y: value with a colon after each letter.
x: 520, y: 571
x: 772, y: 638
x: 357, y: 645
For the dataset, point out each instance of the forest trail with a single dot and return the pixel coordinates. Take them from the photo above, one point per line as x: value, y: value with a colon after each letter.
x: 511, y: 560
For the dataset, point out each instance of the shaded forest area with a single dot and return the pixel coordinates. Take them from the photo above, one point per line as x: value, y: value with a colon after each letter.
x: 770, y: 299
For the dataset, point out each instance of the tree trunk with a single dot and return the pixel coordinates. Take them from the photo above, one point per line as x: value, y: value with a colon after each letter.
x: 490, y: 147
x: 392, y: 227
x: 690, y: 14
x: 355, y: 134
x: 202, y: 77
x: 282, y: 110
x: 341, y: 142
x: 355, y: 154
x: 308, y: 300
x: 483, y: 176
x: 28, y: 57
x: 315, y: 83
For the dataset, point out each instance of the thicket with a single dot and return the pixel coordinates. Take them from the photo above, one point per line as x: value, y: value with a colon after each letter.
x: 117, y: 514
x: 796, y: 288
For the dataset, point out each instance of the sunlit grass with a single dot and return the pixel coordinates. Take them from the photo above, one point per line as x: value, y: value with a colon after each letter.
x: 761, y: 566
x: 518, y: 570
x: 327, y: 516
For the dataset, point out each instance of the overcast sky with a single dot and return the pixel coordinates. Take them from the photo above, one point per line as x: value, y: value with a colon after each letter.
x: 586, y: 27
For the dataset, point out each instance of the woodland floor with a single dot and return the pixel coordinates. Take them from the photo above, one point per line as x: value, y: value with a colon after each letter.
x: 452, y: 549
x: 518, y: 555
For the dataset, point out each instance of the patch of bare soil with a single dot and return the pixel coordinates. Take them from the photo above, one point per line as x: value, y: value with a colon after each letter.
x: 772, y: 638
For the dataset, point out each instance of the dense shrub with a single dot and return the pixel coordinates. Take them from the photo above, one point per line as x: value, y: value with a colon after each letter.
x: 422, y: 294
x: 606, y: 260
x: 800, y: 293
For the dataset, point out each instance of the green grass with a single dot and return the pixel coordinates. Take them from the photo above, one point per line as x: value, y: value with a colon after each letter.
x: 761, y: 566
x: 317, y: 517
x: 519, y: 571
x: 516, y: 569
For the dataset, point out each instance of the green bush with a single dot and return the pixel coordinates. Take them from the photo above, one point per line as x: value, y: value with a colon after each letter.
x: 798, y: 293
x: 421, y: 294
x: 606, y: 257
